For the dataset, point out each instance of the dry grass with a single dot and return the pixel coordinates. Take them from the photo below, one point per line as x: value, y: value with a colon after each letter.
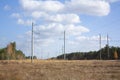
x: 60, y: 70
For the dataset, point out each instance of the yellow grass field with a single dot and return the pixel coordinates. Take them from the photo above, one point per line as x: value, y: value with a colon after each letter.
x: 60, y: 70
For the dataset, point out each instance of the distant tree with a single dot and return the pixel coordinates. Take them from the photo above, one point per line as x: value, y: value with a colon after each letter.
x: 115, y: 55
x: 10, y: 52
x: 29, y: 57
x: 19, y: 55
x: 34, y: 57
x: 2, y: 54
x: 94, y: 54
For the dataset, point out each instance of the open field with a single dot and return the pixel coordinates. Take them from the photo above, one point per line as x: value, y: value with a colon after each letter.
x: 60, y: 70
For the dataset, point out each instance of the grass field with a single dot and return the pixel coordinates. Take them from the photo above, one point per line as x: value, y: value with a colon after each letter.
x: 60, y: 70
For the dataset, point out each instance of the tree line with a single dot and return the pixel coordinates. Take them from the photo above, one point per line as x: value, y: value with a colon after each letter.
x: 107, y: 53
x: 11, y: 53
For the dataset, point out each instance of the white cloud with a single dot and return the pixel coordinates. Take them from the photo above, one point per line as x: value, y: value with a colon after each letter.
x: 92, y: 38
x: 72, y: 42
x: 56, y: 29
x: 76, y: 29
x: 44, y: 42
x: 20, y: 21
x: 53, y: 6
x: 82, y: 38
x: 39, y: 14
x: 16, y: 15
x: 92, y: 7
x: 65, y: 13
x: 25, y: 22
x: 49, y: 31
x: 111, y: 1
x: 7, y: 7
x: 64, y: 18
x: 59, y: 18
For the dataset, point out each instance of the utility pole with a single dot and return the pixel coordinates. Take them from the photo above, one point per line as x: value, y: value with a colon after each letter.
x: 32, y: 43
x: 62, y: 49
x: 100, y: 45
x: 108, y: 46
x: 64, y: 46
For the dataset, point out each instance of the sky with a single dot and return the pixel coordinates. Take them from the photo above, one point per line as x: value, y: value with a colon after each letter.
x: 83, y: 21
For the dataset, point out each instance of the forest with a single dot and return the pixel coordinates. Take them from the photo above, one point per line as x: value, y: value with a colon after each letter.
x: 106, y: 53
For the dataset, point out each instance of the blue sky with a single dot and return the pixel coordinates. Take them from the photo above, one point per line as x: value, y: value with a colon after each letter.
x: 83, y: 21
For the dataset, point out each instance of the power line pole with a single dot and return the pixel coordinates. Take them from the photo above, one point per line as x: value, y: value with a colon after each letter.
x: 100, y: 45
x: 108, y: 46
x: 62, y: 49
x: 32, y: 43
x: 64, y: 45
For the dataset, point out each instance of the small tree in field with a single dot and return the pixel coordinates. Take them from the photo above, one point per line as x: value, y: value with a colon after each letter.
x: 115, y: 55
